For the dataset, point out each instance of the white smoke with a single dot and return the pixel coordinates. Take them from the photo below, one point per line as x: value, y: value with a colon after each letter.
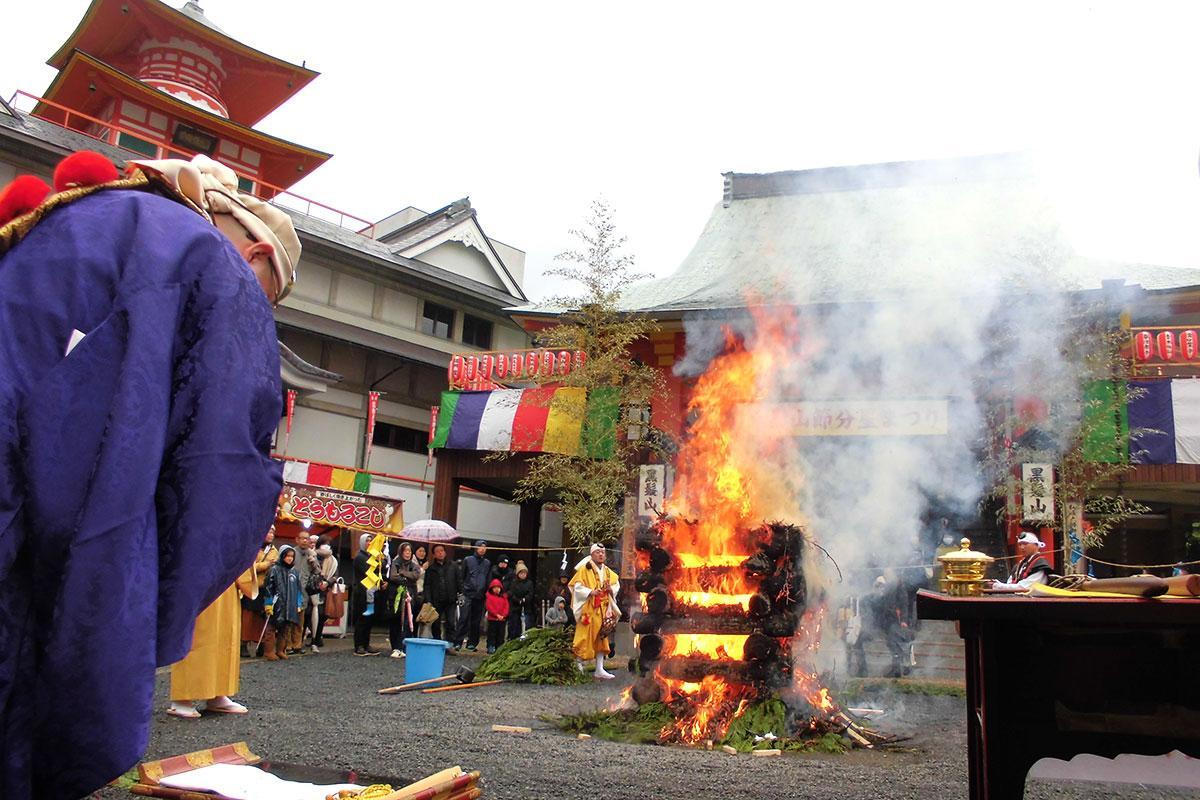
x: 977, y: 323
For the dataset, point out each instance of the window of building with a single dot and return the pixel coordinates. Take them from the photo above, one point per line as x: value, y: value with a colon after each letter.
x: 437, y: 320
x: 477, y: 331
x: 245, y: 185
x: 398, y: 437
x: 130, y: 142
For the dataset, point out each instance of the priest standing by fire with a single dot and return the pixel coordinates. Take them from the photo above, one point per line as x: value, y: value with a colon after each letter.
x: 139, y: 390
x: 594, y: 590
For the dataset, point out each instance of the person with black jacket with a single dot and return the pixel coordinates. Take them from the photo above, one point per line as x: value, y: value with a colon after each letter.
x: 476, y: 574
x: 520, y: 601
x: 502, y: 573
x: 364, y: 601
x: 443, y: 585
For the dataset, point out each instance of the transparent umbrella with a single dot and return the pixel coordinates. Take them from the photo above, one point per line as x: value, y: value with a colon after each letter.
x: 429, y: 530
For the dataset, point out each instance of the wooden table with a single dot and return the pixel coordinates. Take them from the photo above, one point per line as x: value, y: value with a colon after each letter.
x: 1056, y: 677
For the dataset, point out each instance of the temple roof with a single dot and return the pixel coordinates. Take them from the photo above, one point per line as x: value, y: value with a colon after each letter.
x: 112, y: 30
x: 878, y: 231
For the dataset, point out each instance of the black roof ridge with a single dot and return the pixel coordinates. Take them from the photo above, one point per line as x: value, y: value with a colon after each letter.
x: 878, y: 175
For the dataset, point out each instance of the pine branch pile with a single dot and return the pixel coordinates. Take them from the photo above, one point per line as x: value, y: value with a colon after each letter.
x: 646, y: 724
x: 542, y: 656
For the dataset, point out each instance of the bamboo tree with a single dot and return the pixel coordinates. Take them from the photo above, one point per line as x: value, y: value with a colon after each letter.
x: 589, y: 490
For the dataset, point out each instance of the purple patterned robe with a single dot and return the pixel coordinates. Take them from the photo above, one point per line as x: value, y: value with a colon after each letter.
x: 135, y: 478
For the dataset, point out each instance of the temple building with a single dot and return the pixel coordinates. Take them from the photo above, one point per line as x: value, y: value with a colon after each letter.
x: 378, y: 306
x: 848, y: 250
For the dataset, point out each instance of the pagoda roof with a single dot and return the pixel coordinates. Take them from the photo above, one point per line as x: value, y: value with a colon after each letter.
x: 877, y: 232
x: 283, y: 162
x: 112, y: 30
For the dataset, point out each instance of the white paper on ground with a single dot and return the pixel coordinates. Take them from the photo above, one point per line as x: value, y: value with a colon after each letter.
x: 242, y: 782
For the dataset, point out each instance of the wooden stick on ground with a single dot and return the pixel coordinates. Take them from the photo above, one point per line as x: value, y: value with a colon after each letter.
x: 511, y: 729
x: 459, y: 686
x: 407, y: 792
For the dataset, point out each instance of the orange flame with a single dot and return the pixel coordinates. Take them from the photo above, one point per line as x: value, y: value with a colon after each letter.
x: 721, y: 490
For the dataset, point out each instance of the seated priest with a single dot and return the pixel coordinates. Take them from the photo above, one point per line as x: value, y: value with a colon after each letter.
x: 139, y: 390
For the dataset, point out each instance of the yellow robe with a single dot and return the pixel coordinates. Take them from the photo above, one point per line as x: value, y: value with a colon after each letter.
x: 590, y: 611
x: 211, y: 668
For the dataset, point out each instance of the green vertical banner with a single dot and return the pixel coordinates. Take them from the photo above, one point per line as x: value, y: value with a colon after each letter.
x: 445, y: 417
x: 1106, y: 423
x: 600, y: 422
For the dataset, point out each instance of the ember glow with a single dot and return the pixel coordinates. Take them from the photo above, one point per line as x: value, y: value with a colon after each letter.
x: 709, y: 540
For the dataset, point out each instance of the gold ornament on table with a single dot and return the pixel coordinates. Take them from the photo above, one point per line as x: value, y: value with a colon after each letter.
x: 963, y: 571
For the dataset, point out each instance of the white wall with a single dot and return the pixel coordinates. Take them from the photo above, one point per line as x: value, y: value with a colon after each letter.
x: 399, y: 309
x: 354, y: 294
x: 462, y: 260
x: 312, y: 282
x: 508, y: 338
x: 324, y: 436
x: 487, y: 518
x: 514, y: 259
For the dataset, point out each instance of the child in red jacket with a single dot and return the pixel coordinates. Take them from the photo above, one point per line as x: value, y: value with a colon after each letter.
x: 497, y: 612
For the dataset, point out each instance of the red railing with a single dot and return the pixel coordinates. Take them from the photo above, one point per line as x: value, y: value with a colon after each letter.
x: 106, y: 131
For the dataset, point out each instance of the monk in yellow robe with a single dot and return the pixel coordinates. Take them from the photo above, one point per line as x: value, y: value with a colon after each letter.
x: 593, y: 599
x: 211, y: 669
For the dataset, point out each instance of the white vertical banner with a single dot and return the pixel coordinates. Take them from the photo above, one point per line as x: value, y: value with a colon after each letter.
x: 651, y: 490
x: 1037, y: 493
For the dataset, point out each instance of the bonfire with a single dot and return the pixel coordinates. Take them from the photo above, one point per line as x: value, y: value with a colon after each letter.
x: 729, y: 621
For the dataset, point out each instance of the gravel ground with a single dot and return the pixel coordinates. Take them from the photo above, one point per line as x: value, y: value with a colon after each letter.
x: 323, y: 710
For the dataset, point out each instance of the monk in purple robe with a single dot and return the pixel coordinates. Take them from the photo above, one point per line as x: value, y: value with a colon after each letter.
x: 139, y: 389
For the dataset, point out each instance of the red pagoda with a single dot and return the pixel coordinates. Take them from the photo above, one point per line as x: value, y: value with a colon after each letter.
x: 162, y: 82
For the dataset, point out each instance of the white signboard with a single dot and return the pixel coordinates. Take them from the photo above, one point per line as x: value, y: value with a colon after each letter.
x: 851, y: 417
x: 1037, y: 493
x: 651, y: 490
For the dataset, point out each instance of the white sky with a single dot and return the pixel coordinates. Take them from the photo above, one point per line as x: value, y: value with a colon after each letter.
x: 535, y: 108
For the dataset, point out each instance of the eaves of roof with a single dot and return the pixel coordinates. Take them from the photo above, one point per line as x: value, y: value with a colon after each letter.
x: 46, y: 143
x: 328, y: 239
x: 306, y: 368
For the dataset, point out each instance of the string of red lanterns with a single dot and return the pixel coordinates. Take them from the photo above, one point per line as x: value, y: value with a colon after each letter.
x: 1166, y: 345
x: 480, y: 370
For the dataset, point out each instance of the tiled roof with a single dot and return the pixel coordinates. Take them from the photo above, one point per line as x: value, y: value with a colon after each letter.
x: 873, y: 232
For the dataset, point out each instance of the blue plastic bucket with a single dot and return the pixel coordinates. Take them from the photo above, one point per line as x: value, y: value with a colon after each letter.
x: 426, y: 659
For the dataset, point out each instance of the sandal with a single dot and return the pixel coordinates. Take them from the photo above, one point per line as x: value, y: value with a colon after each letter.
x: 228, y: 707
x: 183, y: 712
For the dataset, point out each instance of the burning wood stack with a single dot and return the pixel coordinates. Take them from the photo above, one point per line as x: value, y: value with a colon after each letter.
x: 759, y: 622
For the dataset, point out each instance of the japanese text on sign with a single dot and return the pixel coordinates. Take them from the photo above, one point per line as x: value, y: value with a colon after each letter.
x: 852, y: 417
x: 650, y: 490
x: 1037, y: 492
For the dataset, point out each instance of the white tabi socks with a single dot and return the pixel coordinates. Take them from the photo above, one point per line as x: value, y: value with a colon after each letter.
x: 600, y: 671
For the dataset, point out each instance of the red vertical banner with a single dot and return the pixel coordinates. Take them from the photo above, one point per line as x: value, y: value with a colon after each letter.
x: 372, y: 408
x: 433, y: 418
x: 291, y: 412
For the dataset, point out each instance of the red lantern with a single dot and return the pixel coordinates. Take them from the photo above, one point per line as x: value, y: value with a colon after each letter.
x: 1143, y: 346
x: 1165, y: 342
x: 472, y: 371
x: 456, y: 370
x: 1189, y: 345
x: 515, y: 365
x: 501, y: 366
x: 580, y: 359
x: 564, y: 362
x: 531, y: 363
x: 547, y: 363
x: 485, y: 367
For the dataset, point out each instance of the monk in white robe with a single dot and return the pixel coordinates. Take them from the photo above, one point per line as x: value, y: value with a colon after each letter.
x: 593, y: 599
